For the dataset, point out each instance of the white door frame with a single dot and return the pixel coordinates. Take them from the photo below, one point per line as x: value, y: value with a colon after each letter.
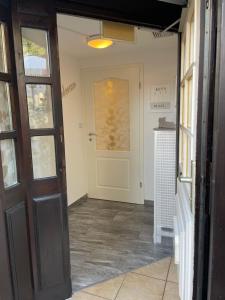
x: 141, y: 99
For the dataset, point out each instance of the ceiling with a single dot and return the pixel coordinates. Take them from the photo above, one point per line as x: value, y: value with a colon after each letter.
x: 73, y: 31
x: 152, y: 13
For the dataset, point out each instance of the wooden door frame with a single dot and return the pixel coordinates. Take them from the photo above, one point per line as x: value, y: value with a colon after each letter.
x: 216, y: 266
x: 204, y: 129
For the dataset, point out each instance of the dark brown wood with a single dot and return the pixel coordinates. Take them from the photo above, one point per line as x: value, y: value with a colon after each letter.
x: 49, y: 224
x: 19, y: 251
x: 46, y: 197
x: 216, y: 288
x: 204, y: 147
x: 15, y: 273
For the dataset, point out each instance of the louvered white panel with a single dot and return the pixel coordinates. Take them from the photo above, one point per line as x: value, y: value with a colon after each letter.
x: 164, y: 183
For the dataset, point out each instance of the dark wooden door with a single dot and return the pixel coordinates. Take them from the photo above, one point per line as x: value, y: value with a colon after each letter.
x: 15, y: 267
x: 34, y: 241
x: 216, y: 286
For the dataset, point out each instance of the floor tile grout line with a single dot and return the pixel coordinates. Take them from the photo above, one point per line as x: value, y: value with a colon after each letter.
x: 95, y: 295
x: 120, y: 286
x: 148, y: 276
x: 167, y: 277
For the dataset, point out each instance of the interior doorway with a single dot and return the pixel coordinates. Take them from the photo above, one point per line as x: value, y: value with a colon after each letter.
x: 110, y: 112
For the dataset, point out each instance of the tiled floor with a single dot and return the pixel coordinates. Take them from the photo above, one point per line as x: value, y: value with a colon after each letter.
x: 108, y: 239
x: 156, y: 281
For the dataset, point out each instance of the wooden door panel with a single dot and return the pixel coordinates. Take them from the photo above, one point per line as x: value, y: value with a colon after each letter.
x: 19, y: 251
x: 34, y: 23
x: 6, y: 291
x: 49, y: 224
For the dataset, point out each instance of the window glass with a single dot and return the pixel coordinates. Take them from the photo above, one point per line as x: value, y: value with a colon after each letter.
x: 35, y: 52
x: 39, y: 102
x: 3, y: 64
x: 43, y: 156
x: 5, y: 108
x: 9, y: 167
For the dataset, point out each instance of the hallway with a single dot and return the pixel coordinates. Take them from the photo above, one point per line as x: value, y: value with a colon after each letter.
x: 108, y: 239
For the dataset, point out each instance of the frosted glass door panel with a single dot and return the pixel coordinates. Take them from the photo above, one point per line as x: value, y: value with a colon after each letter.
x: 39, y: 102
x: 35, y: 52
x: 3, y: 65
x: 43, y: 156
x: 5, y: 108
x: 112, y: 114
x: 8, y: 162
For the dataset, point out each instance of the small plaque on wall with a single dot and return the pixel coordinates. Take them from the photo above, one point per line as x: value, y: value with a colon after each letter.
x: 161, y: 98
x: 160, y: 106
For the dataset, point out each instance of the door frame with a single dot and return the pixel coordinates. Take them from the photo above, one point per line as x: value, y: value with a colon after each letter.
x: 141, y: 116
x: 216, y: 263
x: 204, y: 133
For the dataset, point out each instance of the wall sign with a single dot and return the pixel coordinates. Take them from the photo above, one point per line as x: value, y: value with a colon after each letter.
x: 68, y: 89
x: 161, y: 98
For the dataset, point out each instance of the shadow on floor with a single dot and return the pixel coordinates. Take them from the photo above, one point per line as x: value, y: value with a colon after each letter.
x: 110, y: 238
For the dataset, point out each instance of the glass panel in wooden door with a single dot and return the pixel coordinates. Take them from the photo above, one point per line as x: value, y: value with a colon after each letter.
x: 39, y: 101
x: 5, y: 108
x: 3, y: 63
x: 35, y: 52
x: 43, y: 156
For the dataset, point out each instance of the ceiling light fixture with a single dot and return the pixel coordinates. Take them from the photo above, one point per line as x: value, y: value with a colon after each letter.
x: 98, y: 42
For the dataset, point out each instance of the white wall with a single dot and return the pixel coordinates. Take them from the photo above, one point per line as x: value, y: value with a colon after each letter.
x: 160, y: 67
x: 74, y: 137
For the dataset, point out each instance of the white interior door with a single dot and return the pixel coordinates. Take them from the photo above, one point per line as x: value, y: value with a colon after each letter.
x: 113, y: 133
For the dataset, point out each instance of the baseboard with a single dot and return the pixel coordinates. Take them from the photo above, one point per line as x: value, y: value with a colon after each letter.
x: 79, y: 201
x: 149, y: 202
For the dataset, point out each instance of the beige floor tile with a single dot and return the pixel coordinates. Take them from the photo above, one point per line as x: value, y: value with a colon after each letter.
x: 85, y: 296
x: 139, y: 287
x: 171, y: 291
x: 107, y: 289
x: 173, y: 277
x: 158, y: 270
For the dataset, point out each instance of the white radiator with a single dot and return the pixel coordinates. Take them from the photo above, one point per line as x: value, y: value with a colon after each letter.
x: 184, y: 250
x: 164, y: 183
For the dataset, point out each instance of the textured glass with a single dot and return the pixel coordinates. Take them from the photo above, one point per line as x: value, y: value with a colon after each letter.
x: 43, y: 156
x: 35, y: 52
x: 39, y: 102
x: 3, y: 65
x: 5, y: 108
x: 9, y: 167
x: 112, y: 114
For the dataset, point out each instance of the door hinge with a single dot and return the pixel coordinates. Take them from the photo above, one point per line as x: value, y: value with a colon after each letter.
x: 141, y: 184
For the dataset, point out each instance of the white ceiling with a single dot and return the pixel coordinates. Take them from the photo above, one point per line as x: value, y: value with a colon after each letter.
x: 72, y: 32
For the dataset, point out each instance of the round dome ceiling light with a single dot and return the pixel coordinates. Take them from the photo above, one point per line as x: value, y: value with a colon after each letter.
x: 98, y: 42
